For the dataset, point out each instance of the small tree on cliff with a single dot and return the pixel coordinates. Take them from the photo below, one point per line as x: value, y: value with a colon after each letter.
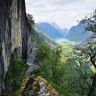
x: 30, y: 21
x: 15, y: 72
x: 55, y: 61
x: 89, y: 49
x: 50, y: 61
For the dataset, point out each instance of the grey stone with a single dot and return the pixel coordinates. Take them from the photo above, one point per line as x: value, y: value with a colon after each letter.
x: 14, y: 32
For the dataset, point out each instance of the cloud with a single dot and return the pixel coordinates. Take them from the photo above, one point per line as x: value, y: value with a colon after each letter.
x: 63, y: 12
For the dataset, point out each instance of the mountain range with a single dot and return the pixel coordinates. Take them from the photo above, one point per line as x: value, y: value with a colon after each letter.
x: 75, y: 33
x: 52, y: 30
x: 78, y: 33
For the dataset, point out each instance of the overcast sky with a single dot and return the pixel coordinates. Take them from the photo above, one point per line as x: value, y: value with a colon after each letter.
x: 64, y: 13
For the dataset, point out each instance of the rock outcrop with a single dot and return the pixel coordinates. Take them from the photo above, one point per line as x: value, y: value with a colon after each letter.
x: 14, y: 32
x: 37, y: 86
x: 32, y: 52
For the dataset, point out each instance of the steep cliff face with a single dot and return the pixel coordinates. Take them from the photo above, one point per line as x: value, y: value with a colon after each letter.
x: 14, y: 34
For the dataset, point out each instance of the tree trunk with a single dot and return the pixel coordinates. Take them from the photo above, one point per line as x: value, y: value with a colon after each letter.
x: 92, y: 89
x: 93, y: 61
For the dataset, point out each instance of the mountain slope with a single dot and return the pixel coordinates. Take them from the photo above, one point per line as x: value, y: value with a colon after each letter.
x: 52, y: 30
x: 78, y: 33
x: 42, y: 38
x: 64, y: 31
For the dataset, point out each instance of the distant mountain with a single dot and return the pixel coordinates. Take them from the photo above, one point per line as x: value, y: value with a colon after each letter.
x: 41, y: 38
x: 78, y: 33
x: 52, y: 30
x: 65, y: 32
x: 92, y: 38
x: 48, y: 40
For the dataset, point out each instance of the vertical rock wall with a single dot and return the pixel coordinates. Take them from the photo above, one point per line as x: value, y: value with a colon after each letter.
x: 14, y: 33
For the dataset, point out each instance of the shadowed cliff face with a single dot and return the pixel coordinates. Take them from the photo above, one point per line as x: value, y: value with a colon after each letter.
x: 14, y: 33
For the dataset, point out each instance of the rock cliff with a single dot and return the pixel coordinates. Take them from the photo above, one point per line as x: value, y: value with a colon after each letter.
x: 14, y: 33
x: 16, y: 36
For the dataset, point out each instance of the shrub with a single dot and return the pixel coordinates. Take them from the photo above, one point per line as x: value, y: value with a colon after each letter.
x: 15, y: 72
x: 33, y: 39
x: 30, y: 21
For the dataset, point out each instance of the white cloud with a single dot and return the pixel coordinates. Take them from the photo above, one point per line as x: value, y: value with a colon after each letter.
x: 63, y: 12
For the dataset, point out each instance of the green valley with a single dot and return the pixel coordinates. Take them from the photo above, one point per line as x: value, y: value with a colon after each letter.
x: 67, y: 50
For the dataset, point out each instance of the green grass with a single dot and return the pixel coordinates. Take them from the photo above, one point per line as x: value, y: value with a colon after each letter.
x: 67, y: 51
x: 67, y: 44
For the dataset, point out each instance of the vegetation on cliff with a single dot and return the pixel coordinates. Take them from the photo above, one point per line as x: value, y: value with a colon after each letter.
x: 88, y: 50
x: 15, y: 73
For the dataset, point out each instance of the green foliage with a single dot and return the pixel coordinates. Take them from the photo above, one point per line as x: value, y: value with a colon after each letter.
x: 88, y: 51
x: 91, y: 25
x: 50, y: 58
x: 51, y: 68
x: 33, y: 39
x: 68, y: 77
x: 15, y: 72
x: 17, y: 92
x: 60, y: 89
x: 78, y: 77
x: 76, y: 74
x: 30, y: 21
x: 43, y: 52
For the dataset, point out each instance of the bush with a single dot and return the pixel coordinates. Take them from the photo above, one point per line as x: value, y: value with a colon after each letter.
x: 42, y: 52
x: 30, y: 21
x: 33, y: 39
x: 15, y: 72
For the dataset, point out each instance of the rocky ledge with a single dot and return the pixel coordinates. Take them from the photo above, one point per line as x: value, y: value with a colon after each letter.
x: 38, y: 86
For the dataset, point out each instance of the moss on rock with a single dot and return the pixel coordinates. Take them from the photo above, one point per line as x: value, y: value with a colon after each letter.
x: 37, y: 86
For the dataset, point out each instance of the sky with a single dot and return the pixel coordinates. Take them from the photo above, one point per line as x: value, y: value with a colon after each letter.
x: 65, y: 13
